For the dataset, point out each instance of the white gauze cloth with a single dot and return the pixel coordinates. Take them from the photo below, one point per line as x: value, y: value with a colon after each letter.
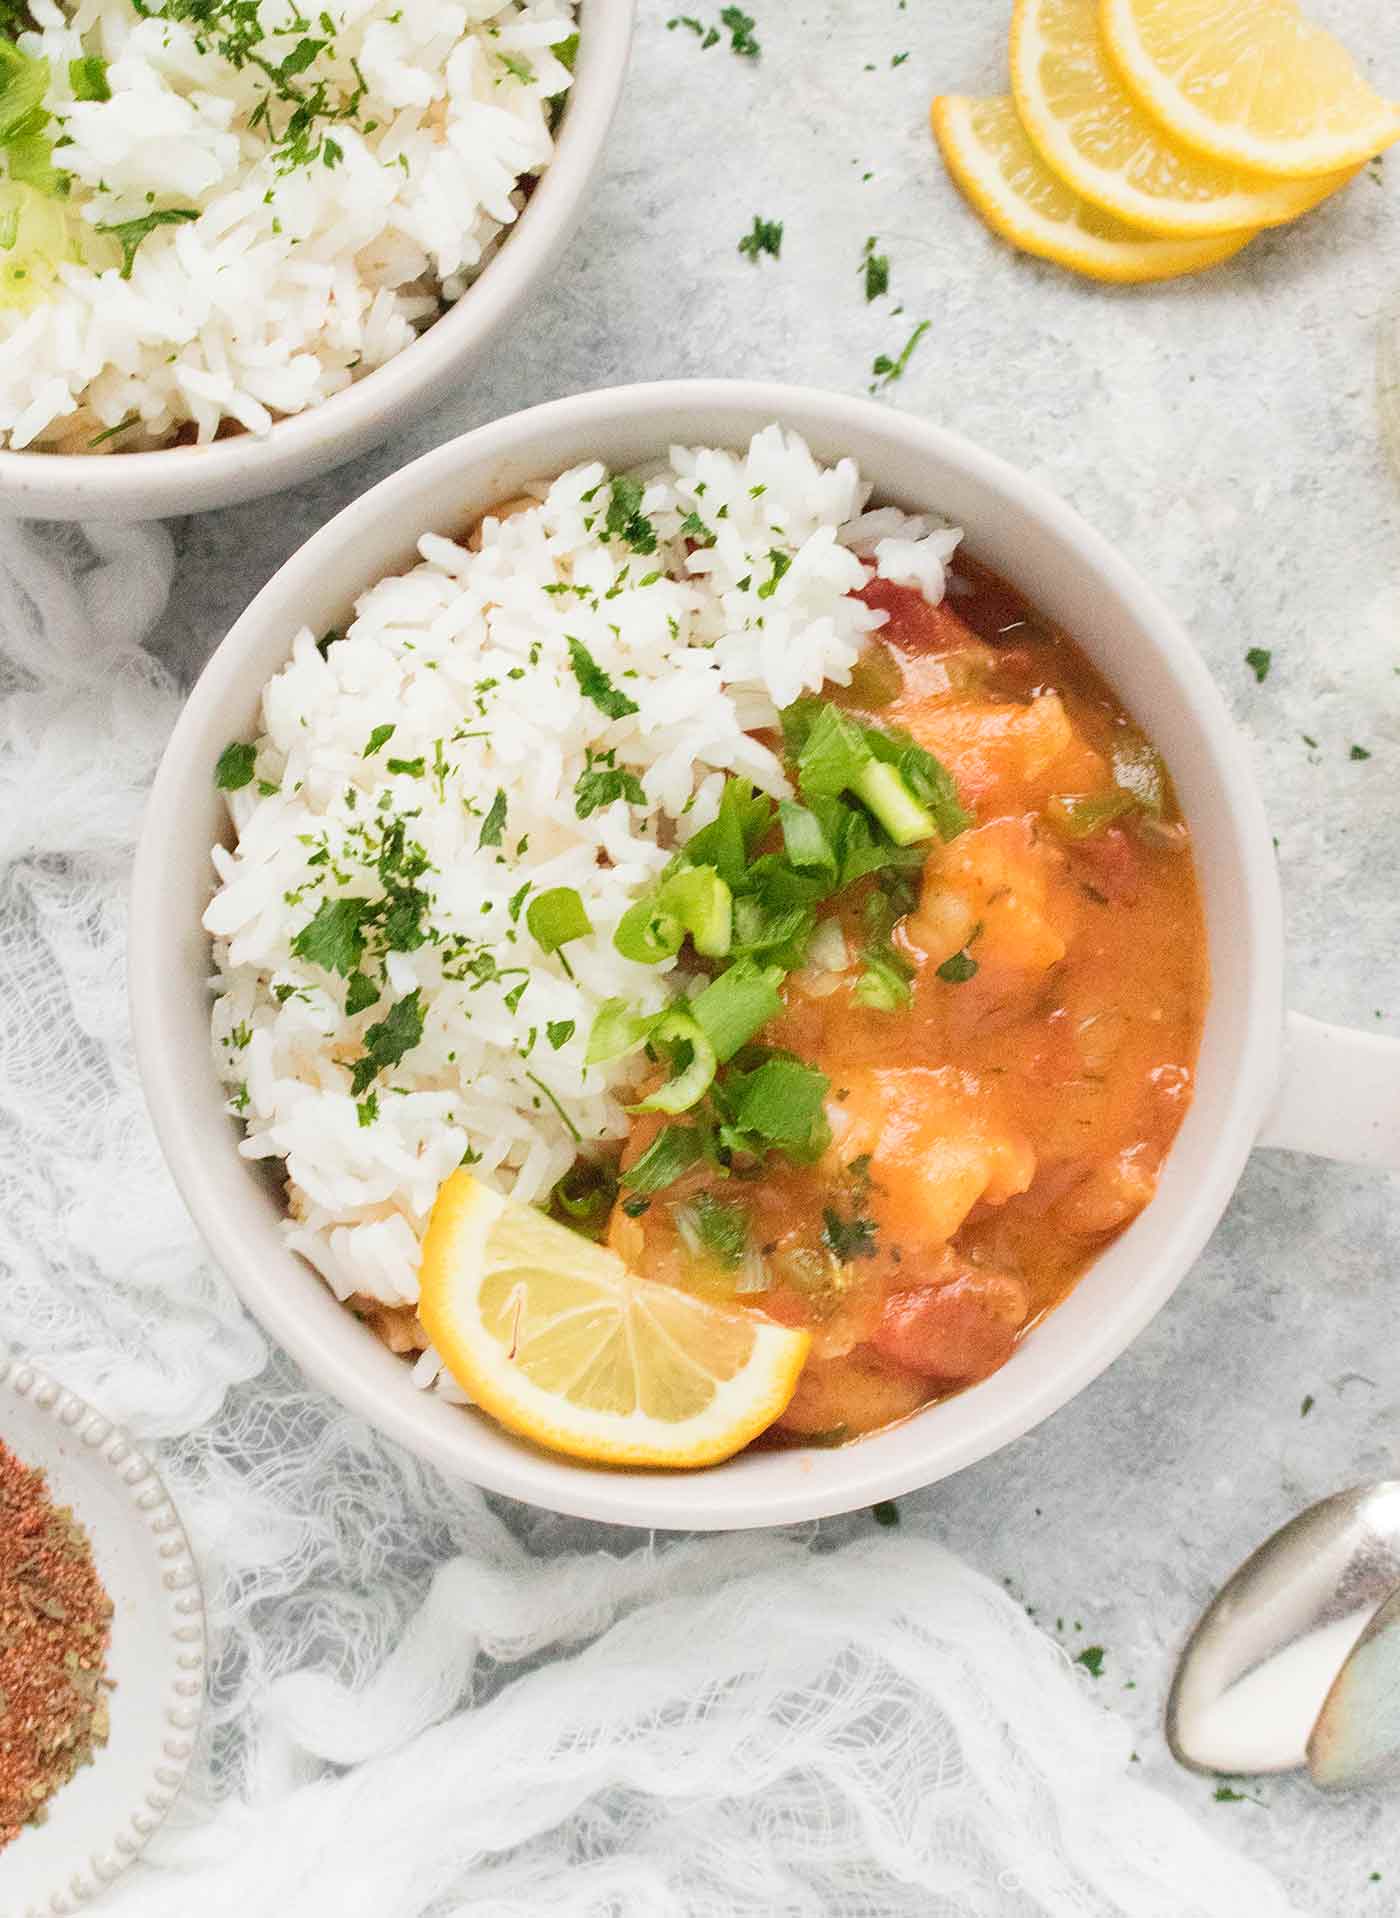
x: 422, y: 1705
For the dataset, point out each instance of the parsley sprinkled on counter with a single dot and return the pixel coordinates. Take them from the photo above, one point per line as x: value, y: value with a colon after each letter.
x: 1358, y: 752
x: 1091, y: 1658
x: 1259, y: 659
x: 875, y: 267
x: 766, y: 237
x: 738, y: 24
x: 886, y: 370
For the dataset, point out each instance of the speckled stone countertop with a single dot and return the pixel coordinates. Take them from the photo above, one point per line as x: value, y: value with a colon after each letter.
x: 1223, y: 432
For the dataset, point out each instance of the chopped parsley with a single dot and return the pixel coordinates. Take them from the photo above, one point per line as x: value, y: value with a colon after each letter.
x: 367, y: 1110
x: 559, y: 1032
x: 737, y: 23
x: 876, y: 269
x: 1308, y: 1403
x: 602, y: 781
x: 847, y: 1239
x: 625, y: 518
x: 886, y: 370
x: 740, y: 25
x: 766, y: 237
x: 1091, y: 1658
x: 362, y: 994
x: 959, y: 969
x: 1358, y: 752
x: 493, y: 826
x: 386, y: 1043
x: 129, y: 234
x: 334, y: 939
x: 379, y: 737
x: 235, y: 766
x: 1259, y: 659
x: 885, y: 1513
x: 595, y: 684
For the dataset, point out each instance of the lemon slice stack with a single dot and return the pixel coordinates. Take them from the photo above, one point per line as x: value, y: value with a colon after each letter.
x: 1144, y: 139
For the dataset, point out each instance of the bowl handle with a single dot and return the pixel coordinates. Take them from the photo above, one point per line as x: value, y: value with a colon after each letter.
x: 1339, y: 1095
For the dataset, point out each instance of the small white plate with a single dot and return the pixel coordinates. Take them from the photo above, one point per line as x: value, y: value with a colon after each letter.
x: 102, y: 1818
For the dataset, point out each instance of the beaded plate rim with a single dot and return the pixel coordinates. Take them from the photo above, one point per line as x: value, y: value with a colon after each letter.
x: 153, y: 1510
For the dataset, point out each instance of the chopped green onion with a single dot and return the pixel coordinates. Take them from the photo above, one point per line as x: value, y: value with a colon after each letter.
x: 1138, y: 769
x: 88, y: 78
x: 1079, y: 815
x: 674, y: 1150
x: 804, y: 839
x: 886, y: 792
x: 585, y: 1195
x: 616, y: 1031
x: 646, y: 934
x: 884, y: 984
x: 738, y: 1004
x: 556, y: 918
x: 726, y: 843
x: 23, y: 83
x: 694, y: 900
x: 781, y: 1103
x: 695, y: 1065
x: 721, y: 1227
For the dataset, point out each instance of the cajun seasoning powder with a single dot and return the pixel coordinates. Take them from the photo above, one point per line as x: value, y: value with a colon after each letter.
x: 55, y: 1620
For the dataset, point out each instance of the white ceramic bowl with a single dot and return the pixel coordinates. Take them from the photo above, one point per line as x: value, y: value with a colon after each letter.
x: 191, y: 479
x: 101, y: 1819
x: 1019, y: 528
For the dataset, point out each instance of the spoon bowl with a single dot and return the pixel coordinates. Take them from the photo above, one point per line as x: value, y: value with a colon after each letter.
x: 1265, y: 1653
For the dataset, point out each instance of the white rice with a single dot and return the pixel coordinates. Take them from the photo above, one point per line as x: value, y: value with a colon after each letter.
x: 471, y: 649
x: 294, y: 280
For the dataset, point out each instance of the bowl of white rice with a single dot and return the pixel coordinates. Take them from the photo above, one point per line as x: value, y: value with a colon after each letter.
x: 419, y: 660
x: 240, y: 243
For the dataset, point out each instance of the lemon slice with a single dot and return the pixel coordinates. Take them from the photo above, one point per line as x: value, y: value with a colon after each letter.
x: 1252, y: 83
x: 996, y: 166
x: 557, y: 1339
x: 1091, y: 131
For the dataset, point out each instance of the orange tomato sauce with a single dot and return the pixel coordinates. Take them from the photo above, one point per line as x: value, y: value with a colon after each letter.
x: 994, y: 1134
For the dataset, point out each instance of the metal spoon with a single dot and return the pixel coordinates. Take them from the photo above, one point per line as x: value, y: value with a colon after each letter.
x: 1265, y: 1653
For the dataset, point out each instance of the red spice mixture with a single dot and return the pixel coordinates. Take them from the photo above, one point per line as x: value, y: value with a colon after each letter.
x: 55, y: 1620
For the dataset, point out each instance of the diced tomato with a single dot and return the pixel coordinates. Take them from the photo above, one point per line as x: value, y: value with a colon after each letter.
x: 915, y: 626
x: 1112, y: 863
x: 957, y: 1332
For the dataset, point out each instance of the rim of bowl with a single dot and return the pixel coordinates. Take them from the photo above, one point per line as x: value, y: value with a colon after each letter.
x: 175, y: 480
x: 850, y: 1476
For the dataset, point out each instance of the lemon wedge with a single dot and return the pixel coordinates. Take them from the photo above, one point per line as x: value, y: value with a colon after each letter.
x: 993, y: 161
x: 1091, y: 131
x: 1252, y: 83
x: 559, y: 1341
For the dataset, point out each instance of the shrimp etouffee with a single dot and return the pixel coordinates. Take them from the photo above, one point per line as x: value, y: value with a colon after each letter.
x: 955, y: 992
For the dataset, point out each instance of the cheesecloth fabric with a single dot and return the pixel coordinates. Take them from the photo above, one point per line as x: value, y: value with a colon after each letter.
x: 423, y: 1703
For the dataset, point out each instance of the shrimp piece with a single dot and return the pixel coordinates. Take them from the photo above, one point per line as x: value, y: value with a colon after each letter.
x: 990, y: 745
x: 998, y: 876
x: 933, y: 1152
